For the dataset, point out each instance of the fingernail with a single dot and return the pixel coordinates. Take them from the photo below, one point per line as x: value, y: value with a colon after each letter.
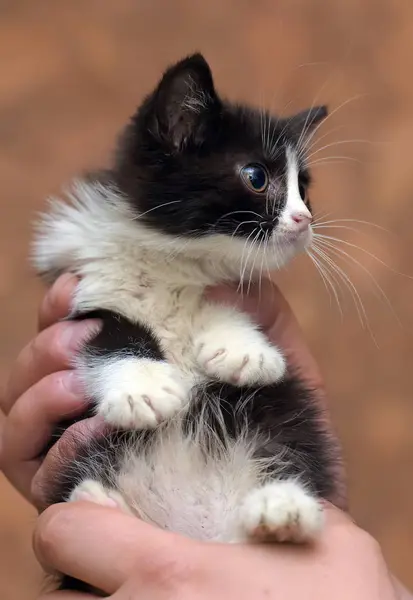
x: 80, y: 332
x: 72, y: 383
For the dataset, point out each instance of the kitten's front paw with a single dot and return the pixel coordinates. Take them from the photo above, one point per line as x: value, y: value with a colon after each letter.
x: 239, y: 357
x: 141, y: 393
x: 281, y: 511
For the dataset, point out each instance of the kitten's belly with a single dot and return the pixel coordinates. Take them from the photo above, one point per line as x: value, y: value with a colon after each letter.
x: 179, y: 485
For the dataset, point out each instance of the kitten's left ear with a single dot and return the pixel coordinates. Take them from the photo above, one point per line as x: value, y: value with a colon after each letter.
x: 183, y: 100
x: 305, y: 121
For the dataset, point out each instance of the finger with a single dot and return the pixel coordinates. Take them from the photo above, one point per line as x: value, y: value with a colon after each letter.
x: 60, y: 456
x: 263, y: 301
x: 52, y: 350
x: 57, y: 301
x: 31, y: 423
x: 66, y: 595
x: 32, y: 419
x: 103, y: 546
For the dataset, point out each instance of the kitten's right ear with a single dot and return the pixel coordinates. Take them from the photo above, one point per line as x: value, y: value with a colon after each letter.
x: 183, y: 101
x: 307, y: 120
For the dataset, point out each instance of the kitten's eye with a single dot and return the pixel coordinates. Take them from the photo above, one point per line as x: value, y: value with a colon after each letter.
x: 255, y: 177
x: 303, y: 191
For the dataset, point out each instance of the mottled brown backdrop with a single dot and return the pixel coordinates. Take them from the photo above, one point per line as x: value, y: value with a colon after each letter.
x: 71, y: 73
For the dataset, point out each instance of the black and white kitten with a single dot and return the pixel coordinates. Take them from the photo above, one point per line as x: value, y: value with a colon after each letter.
x: 212, y: 437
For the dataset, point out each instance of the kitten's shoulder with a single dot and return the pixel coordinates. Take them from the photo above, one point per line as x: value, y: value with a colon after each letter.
x: 87, y: 215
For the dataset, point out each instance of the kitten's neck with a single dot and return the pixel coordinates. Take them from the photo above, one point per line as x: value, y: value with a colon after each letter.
x: 99, y: 224
x: 190, y: 261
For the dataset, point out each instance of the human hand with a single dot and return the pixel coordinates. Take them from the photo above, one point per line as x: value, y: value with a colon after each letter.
x: 127, y: 559
x: 41, y: 391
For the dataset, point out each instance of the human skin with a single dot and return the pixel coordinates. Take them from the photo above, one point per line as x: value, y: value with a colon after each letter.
x: 128, y: 558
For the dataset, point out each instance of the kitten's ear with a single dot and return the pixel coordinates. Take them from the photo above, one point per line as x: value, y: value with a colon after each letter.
x: 183, y: 100
x: 305, y: 121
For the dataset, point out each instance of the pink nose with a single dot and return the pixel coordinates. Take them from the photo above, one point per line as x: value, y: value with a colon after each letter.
x: 302, y: 220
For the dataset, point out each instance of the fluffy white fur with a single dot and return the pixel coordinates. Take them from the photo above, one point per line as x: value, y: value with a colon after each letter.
x: 135, y: 393
x: 223, y: 497
x: 159, y: 280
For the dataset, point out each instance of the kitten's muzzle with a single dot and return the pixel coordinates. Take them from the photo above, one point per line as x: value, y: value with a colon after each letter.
x: 300, y: 221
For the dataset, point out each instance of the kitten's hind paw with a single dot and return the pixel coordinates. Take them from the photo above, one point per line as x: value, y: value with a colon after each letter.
x: 281, y: 511
x: 93, y: 491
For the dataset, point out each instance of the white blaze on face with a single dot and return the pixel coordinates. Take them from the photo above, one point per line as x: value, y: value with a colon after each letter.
x: 295, y: 216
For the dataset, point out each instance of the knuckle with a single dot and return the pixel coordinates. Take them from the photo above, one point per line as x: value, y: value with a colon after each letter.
x: 48, y: 343
x: 49, y: 389
x: 352, y: 536
x: 172, y: 571
x: 368, y: 543
x: 50, y: 301
x: 49, y: 530
x: 37, y: 493
x: 56, y: 300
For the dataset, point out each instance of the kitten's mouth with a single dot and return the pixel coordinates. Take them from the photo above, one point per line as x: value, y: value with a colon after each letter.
x: 299, y: 238
x: 293, y: 236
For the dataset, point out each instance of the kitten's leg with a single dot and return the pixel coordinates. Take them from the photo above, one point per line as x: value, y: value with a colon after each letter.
x: 93, y: 491
x: 281, y: 511
x: 296, y: 458
x: 124, y: 372
x: 229, y: 347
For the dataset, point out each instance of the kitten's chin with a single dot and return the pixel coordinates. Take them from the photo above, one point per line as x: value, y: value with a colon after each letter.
x: 298, y: 240
x: 287, y: 245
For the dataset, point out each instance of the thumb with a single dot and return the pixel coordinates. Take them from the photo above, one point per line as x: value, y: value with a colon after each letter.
x: 102, y: 546
x: 263, y: 301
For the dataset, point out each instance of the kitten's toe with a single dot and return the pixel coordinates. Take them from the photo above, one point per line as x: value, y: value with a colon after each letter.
x: 93, y: 491
x: 143, y: 394
x: 281, y: 511
x: 241, y: 358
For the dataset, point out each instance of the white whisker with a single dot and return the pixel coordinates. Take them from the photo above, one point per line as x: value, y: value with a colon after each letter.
x: 355, y: 221
x: 361, y: 249
x: 330, y: 277
x: 330, y: 159
x: 337, y: 144
x: 318, y: 139
x: 301, y: 149
x: 320, y: 271
x: 250, y: 279
x: 361, y: 311
x: 244, y: 264
x: 340, y: 253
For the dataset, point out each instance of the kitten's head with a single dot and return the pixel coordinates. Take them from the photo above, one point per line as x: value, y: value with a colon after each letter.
x: 224, y: 178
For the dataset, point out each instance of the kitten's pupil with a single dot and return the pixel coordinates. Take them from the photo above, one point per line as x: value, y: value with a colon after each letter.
x: 303, y: 191
x: 255, y: 177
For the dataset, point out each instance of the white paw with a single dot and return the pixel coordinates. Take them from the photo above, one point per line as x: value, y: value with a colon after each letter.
x: 241, y: 357
x: 281, y: 511
x: 141, y: 393
x: 93, y: 491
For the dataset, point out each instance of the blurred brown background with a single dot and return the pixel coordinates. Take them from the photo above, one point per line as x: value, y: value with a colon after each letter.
x: 72, y: 72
